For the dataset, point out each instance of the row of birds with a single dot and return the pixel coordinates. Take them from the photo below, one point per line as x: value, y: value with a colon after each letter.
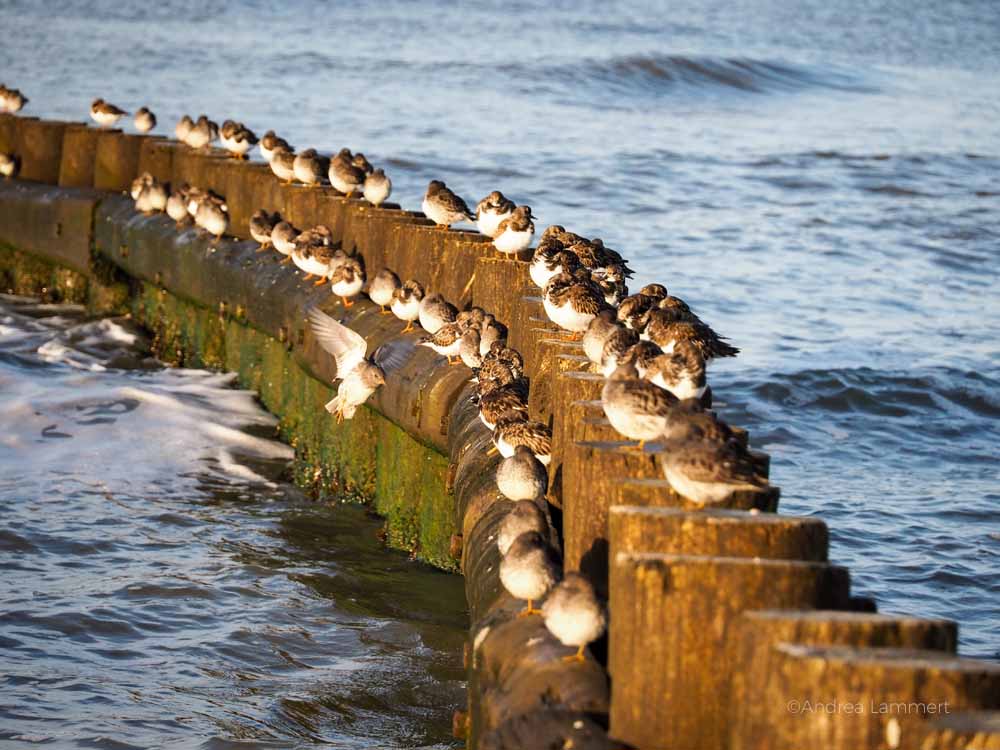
x: 650, y: 347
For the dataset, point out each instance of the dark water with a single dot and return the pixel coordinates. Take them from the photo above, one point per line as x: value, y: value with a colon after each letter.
x: 819, y: 179
x: 162, y: 587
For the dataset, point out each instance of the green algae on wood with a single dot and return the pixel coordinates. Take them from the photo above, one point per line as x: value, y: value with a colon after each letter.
x: 368, y: 458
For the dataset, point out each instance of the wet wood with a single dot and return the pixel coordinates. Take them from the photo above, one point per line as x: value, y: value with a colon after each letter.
x: 844, y: 698
x: 571, y: 386
x: 670, y: 637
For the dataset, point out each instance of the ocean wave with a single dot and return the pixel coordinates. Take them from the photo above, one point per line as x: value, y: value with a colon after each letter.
x: 662, y: 74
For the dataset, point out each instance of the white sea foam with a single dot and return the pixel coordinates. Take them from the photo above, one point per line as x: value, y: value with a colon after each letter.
x: 69, y: 407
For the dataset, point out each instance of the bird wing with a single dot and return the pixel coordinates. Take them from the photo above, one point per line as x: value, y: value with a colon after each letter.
x: 392, y: 355
x: 347, y: 347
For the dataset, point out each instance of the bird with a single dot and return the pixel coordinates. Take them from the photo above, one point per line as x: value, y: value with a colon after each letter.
x: 144, y: 120
x: 283, y: 239
x: 551, y: 259
x: 12, y: 100
x: 345, y: 176
x: 666, y: 332
x: 523, y: 516
x: 514, y: 233
x: 312, y: 253
x: 381, y: 289
x: 362, y: 163
x: 522, y: 477
x: 151, y: 197
x: 347, y: 279
x: 377, y: 187
x: 359, y: 375
x: 308, y: 167
x: 261, y: 225
x: 270, y: 142
x: 444, y: 207
x: 139, y: 183
x: 611, y: 281
x: 203, y: 133
x: 682, y: 372
x: 435, y: 311
x: 501, y: 397
x: 212, y: 217
x: 572, y: 301
x: 105, y: 114
x: 469, y: 349
x: 239, y: 141
x: 183, y: 128
x: 406, y: 303
x: 177, y: 205
x: 491, y: 211
x: 446, y: 341
x: 512, y: 430
x: 491, y: 330
x: 10, y: 165
x: 709, y: 471
x: 632, y: 310
x: 599, y: 330
x: 636, y: 408
x: 529, y: 569
x: 573, y: 614
x: 616, y: 347
x: 282, y: 164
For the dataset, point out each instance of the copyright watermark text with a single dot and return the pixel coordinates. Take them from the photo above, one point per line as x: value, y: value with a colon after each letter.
x: 882, y: 708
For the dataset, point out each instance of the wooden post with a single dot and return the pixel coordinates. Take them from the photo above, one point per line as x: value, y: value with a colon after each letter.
x: 844, y: 698
x: 79, y: 153
x: 723, y: 533
x: 156, y: 156
x: 588, y: 491
x: 672, y: 619
x: 8, y: 133
x: 974, y: 730
x: 116, y: 162
x: 570, y: 387
x: 39, y: 145
x: 497, y: 279
x: 555, y: 356
x: 656, y: 491
x: 236, y: 179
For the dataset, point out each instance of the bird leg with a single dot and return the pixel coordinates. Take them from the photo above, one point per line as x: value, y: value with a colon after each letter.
x: 409, y: 326
x: 265, y: 246
x: 443, y: 226
x: 641, y: 446
x: 384, y: 310
x: 308, y: 277
x: 321, y: 282
x: 570, y: 335
x: 578, y: 656
x: 286, y: 260
x: 347, y: 302
x: 529, y: 610
x: 492, y: 451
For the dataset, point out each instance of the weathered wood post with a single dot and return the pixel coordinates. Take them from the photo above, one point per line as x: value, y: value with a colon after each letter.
x: 156, y: 156
x: 844, y: 698
x: 973, y: 730
x: 39, y: 146
x: 116, y: 161
x: 79, y: 154
x: 672, y: 619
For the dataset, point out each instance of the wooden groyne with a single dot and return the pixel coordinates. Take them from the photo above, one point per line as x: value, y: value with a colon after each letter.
x: 729, y: 628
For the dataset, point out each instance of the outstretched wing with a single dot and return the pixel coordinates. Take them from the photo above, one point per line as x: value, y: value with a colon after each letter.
x: 392, y: 355
x: 347, y: 347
